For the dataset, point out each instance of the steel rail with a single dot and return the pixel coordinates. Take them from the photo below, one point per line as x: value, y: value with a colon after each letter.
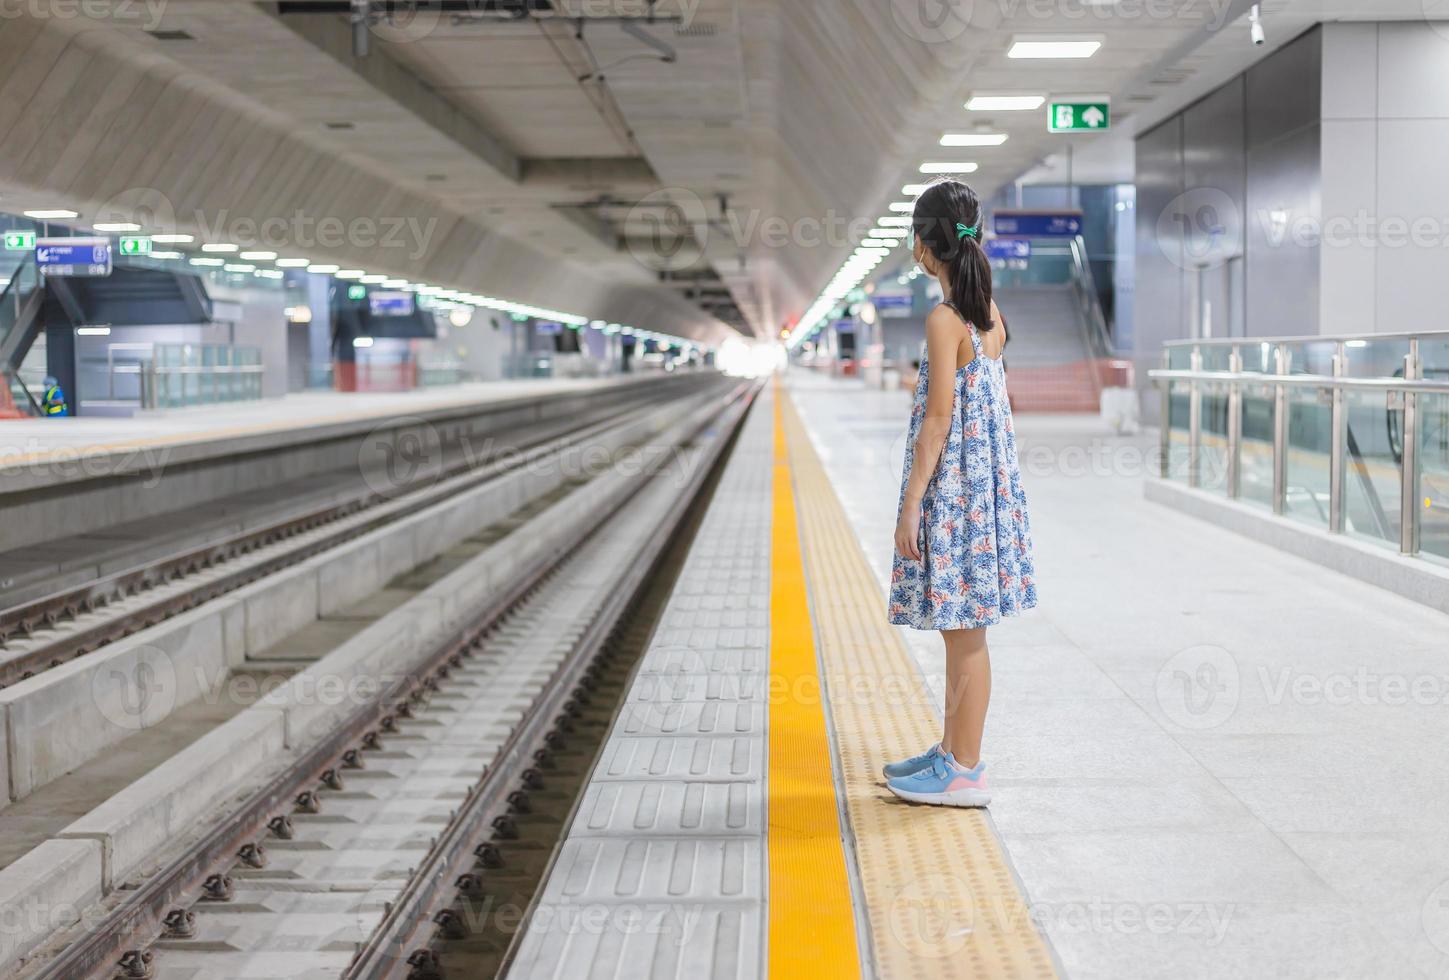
x: 426, y: 492
x: 159, y: 903
x: 407, y: 926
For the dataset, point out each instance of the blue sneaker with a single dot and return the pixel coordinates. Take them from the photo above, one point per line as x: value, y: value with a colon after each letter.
x: 945, y: 782
x: 913, y: 765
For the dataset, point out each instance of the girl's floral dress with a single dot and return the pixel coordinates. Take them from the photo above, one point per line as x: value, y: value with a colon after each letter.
x: 975, y: 538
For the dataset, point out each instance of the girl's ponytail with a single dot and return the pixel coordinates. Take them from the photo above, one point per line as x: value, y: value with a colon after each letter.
x: 947, y: 219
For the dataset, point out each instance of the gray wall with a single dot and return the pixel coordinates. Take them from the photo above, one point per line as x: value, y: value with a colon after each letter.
x: 1158, y: 302
x: 1385, y: 139
x: 1283, y: 179
x: 1221, y: 188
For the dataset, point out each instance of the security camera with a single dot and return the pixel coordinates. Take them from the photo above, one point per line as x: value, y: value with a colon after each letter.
x: 1255, y: 26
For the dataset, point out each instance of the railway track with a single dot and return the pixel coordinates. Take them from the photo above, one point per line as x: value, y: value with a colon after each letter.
x: 46, y: 632
x: 358, y: 858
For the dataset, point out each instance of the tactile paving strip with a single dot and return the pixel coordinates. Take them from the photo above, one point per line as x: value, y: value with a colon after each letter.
x: 941, y: 897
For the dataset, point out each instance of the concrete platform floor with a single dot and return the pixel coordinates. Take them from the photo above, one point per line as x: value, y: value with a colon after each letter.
x: 30, y: 440
x: 1210, y: 758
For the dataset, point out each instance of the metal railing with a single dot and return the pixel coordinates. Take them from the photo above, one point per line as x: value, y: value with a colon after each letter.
x: 1354, y: 438
x: 179, y: 375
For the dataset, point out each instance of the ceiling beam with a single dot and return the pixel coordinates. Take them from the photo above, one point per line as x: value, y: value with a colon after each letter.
x: 332, y: 34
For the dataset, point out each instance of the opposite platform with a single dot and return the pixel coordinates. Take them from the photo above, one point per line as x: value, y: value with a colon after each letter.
x: 32, y: 447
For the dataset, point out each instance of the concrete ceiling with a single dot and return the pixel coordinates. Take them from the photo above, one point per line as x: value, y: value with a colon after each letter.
x: 577, y: 168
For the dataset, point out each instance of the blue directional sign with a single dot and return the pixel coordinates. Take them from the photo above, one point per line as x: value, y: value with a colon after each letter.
x: 1005, y: 249
x: 1037, y: 224
x: 892, y: 301
x: 73, y: 256
x: 386, y: 303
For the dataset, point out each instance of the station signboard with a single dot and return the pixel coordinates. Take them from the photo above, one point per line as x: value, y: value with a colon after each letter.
x: 892, y: 304
x: 1037, y: 224
x: 1005, y: 249
x: 390, y: 303
x: 73, y: 256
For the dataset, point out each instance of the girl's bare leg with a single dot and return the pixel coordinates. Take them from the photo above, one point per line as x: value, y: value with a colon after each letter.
x: 968, y: 692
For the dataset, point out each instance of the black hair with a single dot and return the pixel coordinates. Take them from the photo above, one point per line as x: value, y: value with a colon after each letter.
x: 947, y: 218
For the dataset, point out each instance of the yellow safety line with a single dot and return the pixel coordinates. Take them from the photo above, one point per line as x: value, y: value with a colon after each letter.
x: 940, y: 894
x: 811, y: 917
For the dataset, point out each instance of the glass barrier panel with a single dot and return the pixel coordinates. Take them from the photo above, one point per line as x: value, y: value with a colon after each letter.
x: 1375, y: 358
x: 1311, y: 357
x: 1217, y: 357
x: 1255, y: 453
x: 1309, y: 437
x: 1258, y: 358
x: 1374, y: 461
x: 1179, y: 358
x: 1212, y: 456
x: 1177, y: 432
x: 1434, y: 476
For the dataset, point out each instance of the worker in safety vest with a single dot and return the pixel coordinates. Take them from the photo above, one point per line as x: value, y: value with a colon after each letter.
x: 53, y: 404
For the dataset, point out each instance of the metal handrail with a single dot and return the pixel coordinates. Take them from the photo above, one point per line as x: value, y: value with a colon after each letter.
x: 1085, y: 285
x: 1303, y: 339
x: 1408, y: 388
x: 1325, y: 381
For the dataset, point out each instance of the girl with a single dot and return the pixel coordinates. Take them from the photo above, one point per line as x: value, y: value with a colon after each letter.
x: 963, y: 540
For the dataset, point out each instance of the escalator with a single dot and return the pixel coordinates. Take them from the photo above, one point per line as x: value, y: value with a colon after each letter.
x: 1060, y: 356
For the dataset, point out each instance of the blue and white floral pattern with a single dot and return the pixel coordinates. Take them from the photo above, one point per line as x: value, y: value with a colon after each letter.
x: 976, y: 564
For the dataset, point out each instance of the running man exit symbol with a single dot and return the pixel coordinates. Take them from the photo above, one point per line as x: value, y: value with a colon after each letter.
x: 1078, y: 117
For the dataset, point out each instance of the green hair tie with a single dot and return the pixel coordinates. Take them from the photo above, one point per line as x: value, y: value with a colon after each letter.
x: 964, y: 231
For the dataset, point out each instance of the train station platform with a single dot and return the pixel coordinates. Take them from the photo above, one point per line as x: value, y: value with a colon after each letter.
x: 1207, y: 756
x: 35, y: 446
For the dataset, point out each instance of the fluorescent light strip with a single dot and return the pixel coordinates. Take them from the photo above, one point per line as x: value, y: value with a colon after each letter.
x: 1004, y: 103
x: 940, y: 167
x: 116, y: 226
x: 258, y: 256
x: 1025, y: 47
x: 292, y: 263
x: 46, y: 214
x: 899, y: 221
x: 914, y: 189
x: 210, y: 262
x: 973, y: 139
x: 169, y: 239
x: 218, y: 247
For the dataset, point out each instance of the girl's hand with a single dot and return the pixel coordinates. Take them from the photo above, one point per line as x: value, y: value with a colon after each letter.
x: 908, y: 531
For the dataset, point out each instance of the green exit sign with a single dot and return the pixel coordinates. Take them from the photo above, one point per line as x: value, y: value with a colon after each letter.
x: 19, y: 241
x: 135, y: 245
x: 1078, y: 117
x: 356, y: 292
